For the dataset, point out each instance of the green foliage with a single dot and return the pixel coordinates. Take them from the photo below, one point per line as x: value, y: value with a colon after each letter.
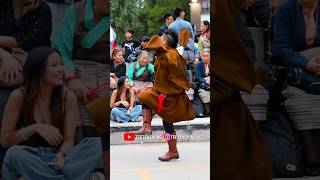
x: 143, y: 16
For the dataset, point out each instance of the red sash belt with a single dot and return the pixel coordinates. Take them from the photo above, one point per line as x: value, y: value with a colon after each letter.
x: 161, y: 98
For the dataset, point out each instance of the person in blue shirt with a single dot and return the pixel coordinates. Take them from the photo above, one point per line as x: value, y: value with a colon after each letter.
x: 202, y: 76
x: 291, y: 33
x: 180, y: 23
x: 296, y: 29
x: 297, y: 42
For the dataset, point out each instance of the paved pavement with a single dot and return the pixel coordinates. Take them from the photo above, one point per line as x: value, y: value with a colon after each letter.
x: 140, y: 162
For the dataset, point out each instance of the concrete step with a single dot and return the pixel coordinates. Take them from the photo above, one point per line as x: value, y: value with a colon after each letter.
x: 187, y: 131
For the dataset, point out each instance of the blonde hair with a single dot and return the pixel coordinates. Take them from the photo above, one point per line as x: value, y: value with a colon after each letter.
x: 31, y: 6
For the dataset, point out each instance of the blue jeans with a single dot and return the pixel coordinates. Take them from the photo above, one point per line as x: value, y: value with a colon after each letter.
x: 119, y: 114
x: 32, y: 162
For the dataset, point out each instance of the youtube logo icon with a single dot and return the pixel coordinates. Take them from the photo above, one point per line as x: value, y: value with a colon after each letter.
x: 129, y: 136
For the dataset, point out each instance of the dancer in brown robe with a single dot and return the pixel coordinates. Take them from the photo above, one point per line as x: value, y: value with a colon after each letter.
x: 169, y: 87
x: 239, y: 150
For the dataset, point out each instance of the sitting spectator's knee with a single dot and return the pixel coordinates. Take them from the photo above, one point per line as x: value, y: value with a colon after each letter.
x: 138, y: 107
x: 15, y: 153
x: 115, y: 110
x: 93, y: 142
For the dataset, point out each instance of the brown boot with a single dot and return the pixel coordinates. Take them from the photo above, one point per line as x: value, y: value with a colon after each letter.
x: 146, y: 129
x: 173, y: 152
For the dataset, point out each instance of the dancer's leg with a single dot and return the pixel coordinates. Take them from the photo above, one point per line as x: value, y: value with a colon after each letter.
x: 172, y: 143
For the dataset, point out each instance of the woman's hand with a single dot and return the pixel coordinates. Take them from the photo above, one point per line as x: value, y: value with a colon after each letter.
x: 112, y: 75
x: 58, y: 162
x: 8, y: 42
x: 125, y: 103
x: 128, y: 112
x: 249, y: 4
x: 202, y: 38
x: 10, y: 67
x: 79, y: 89
x: 196, y: 61
x: 313, y: 66
x: 50, y: 133
x: 207, y: 80
x: 113, y: 83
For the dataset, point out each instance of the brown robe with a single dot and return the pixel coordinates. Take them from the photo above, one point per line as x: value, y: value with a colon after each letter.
x: 170, y: 80
x: 239, y: 150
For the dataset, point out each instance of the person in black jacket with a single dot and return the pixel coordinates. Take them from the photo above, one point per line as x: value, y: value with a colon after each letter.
x: 129, y: 45
x: 255, y: 13
x: 168, y: 19
x: 24, y: 24
x: 26, y: 28
x: 118, y: 67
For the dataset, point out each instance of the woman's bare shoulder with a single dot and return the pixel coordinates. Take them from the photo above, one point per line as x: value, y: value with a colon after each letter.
x: 18, y: 94
x: 115, y: 91
x: 17, y: 98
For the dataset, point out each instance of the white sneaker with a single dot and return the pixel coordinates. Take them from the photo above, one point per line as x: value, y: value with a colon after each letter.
x: 96, y: 176
x: 118, y: 120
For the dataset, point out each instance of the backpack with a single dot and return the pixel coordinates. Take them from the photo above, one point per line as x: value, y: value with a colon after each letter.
x: 189, y: 52
x: 283, y: 144
x: 304, y: 80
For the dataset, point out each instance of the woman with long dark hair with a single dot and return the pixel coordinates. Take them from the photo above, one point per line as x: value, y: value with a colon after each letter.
x: 204, y: 40
x: 205, y: 28
x: 122, y: 101
x: 39, y: 125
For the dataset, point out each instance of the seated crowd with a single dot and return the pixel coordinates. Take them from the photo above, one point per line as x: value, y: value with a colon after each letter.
x: 297, y: 43
x: 292, y: 39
